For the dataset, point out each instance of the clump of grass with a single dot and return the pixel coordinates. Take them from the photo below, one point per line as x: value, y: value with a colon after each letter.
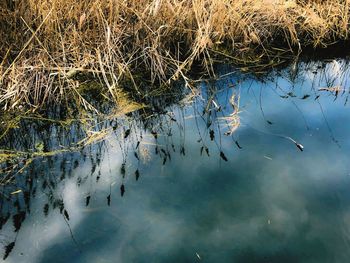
x: 46, y: 45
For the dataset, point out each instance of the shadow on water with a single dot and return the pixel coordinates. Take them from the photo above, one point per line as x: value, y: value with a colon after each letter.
x: 186, y: 178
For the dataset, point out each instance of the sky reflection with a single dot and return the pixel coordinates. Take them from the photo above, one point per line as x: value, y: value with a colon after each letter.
x: 269, y: 203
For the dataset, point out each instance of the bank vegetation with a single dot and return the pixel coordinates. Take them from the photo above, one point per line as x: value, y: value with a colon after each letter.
x: 50, y: 48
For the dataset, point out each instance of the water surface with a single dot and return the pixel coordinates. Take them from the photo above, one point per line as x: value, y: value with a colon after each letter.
x: 269, y: 202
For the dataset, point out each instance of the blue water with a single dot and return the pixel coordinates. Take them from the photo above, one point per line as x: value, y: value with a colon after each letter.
x: 270, y: 202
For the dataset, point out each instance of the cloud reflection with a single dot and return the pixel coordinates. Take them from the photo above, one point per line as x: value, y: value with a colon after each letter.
x: 292, y: 207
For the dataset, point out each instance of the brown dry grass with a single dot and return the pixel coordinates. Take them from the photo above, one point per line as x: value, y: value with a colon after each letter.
x: 44, y: 44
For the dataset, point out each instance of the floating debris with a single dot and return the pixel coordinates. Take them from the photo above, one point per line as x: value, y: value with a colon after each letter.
x: 222, y: 155
x: 16, y: 192
x: 8, y: 249
x: 331, y: 89
x: 300, y: 147
x: 305, y: 96
x: 217, y: 107
x: 66, y: 215
x: 238, y: 145
x: 212, y: 135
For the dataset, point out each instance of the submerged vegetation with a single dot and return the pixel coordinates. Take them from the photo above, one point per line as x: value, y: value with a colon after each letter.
x: 49, y: 49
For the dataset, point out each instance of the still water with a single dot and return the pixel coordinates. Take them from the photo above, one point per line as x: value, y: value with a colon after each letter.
x: 183, y: 191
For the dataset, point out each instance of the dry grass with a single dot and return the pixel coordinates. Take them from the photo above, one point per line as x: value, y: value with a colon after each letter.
x: 45, y: 44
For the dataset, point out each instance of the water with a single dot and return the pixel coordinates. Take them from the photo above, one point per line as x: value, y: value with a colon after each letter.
x: 270, y: 202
